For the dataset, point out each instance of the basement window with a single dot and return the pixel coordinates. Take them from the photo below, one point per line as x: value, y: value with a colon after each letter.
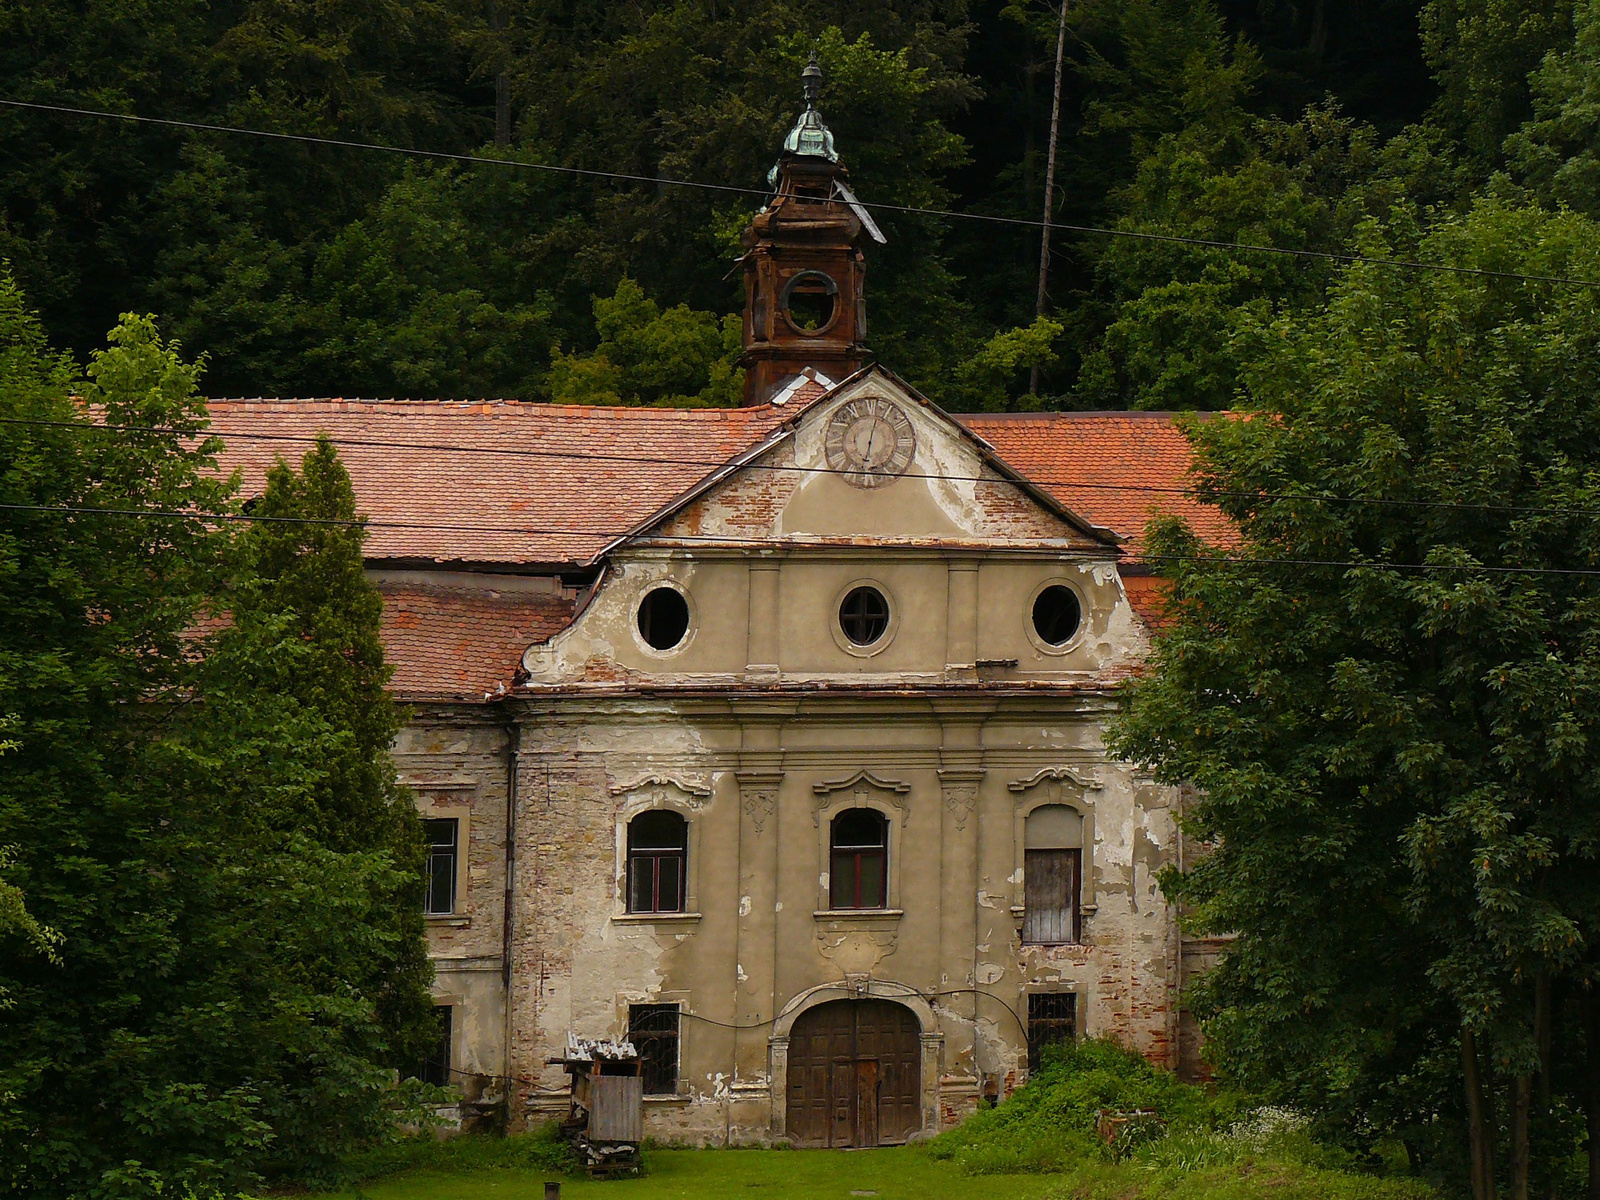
x: 663, y: 618
x: 1052, y: 1021
x: 658, y: 852
x: 437, y: 1067
x: 653, y: 1030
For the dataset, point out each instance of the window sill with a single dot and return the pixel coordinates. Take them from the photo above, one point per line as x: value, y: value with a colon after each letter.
x: 449, y: 920
x: 655, y: 918
x: 858, y: 914
x: 666, y: 1098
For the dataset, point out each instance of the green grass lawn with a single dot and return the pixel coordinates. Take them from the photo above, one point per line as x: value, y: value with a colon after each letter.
x: 897, y: 1173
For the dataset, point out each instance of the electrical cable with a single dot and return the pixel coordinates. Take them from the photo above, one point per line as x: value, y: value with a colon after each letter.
x: 718, y: 540
x: 307, y: 439
x: 665, y: 181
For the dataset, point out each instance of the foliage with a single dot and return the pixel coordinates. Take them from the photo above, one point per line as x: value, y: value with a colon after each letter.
x: 679, y: 357
x: 1396, y: 765
x: 209, y: 833
x: 981, y: 382
x: 1051, y: 1123
x: 1555, y: 153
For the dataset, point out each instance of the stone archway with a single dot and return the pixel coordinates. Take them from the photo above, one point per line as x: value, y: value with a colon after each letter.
x: 856, y: 1066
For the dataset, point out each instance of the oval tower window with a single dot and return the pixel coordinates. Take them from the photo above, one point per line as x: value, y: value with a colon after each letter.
x: 1056, y: 615
x: 809, y: 301
x: 663, y: 618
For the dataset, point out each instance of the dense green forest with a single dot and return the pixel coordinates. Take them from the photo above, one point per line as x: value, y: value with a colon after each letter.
x: 303, y: 269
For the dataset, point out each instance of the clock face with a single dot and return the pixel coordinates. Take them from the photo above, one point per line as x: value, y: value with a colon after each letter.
x: 870, y: 441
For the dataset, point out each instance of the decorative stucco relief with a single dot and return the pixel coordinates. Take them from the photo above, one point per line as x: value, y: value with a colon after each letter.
x: 863, y: 786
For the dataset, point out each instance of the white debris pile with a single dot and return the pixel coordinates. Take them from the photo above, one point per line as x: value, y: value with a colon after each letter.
x: 593, y: 1049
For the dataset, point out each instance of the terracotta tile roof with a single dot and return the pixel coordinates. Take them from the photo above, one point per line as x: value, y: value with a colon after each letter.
x: 457, y: 643
x: 529, y: 501
x: 1116, y: 469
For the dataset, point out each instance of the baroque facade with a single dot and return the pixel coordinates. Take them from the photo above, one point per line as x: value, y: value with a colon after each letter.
x: 772, y: 738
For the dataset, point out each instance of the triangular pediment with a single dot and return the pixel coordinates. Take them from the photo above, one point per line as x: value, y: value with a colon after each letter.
x: 873, y: 462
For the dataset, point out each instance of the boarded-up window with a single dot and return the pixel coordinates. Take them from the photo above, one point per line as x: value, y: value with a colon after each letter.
x: 1052, y: 867
x: 1052, y: 1019
x: 653, y: 1030
x: 658, y: 850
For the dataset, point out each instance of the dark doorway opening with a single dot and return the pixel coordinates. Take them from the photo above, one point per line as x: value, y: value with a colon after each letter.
x: 855, y: 1074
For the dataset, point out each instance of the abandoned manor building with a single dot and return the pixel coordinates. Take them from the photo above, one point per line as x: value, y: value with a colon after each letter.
x: 772, y: 738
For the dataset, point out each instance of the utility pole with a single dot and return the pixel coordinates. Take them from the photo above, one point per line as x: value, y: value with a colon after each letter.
x: 1049, y: 186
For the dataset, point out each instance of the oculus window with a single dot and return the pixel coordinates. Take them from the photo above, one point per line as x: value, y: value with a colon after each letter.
x: 443, y: 839
x: 809, y: 301
x: 864, y: 615
x: 653, y: 1030
x: 858, y: 871
x: 658, y: 850
x: 1052, y: 868
x: 1056, y: 615
x: 663, y: 618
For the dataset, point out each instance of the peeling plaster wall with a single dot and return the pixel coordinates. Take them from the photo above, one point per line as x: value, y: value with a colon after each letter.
x: 759, y: 728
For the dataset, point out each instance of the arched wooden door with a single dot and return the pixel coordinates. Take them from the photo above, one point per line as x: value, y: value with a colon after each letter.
x: 855, y: 1074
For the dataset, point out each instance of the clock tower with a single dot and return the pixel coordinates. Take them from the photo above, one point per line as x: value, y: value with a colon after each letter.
x: 804, y: 272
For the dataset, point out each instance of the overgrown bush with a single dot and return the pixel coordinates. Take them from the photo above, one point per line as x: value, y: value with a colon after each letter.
x: 542, y: 1149
x: 1050, y: 1124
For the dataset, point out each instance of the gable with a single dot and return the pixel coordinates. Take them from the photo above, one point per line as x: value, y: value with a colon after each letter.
x: 934, y: 484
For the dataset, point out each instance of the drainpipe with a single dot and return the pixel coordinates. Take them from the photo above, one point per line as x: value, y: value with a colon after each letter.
x: 508, y: 925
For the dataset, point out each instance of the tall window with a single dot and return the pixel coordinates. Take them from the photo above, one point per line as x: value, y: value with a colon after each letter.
x: 1052, y: 867
x: 658, y: 848
x: 443, y: 835
x: 436, y: 1068
x: 858, y: 875
x: 1052, y: 1019
x: 653, y: 1030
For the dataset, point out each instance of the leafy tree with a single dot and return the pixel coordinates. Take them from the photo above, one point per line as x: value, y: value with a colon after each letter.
x: 1556, y: 153
x: 678, y: 357
x: 220, y: 960
x: 1398, y: 766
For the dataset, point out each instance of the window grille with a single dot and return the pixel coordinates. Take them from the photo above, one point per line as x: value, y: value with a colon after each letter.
x: 653, y: 1030
x: 858, y: 875
x: 658, y: 851
x: 864, y: 615
x: 1052, y: 1020
x: 442, y: 835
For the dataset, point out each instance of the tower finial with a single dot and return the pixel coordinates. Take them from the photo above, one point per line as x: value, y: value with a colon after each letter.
x: 811, y: 82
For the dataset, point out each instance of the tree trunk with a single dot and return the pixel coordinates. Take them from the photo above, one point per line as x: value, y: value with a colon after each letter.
x: 1479, y: 1133
x: 1521, y: 1106
x: 1591, y: 1035
x: 1544, y: 1020
x: 1049, y: 186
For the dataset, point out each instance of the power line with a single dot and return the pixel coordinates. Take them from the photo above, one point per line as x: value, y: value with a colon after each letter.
x: 714, y: 539
x: 714, y: 464
x: 666, y: 181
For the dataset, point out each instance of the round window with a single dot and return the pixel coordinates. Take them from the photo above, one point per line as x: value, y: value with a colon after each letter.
x: 1056, y: 615
x: 663, y: 618
x: 864, y: 615
x: 809, y: 300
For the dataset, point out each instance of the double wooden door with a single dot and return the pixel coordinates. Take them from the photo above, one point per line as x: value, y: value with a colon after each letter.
x: 855, y: 1074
